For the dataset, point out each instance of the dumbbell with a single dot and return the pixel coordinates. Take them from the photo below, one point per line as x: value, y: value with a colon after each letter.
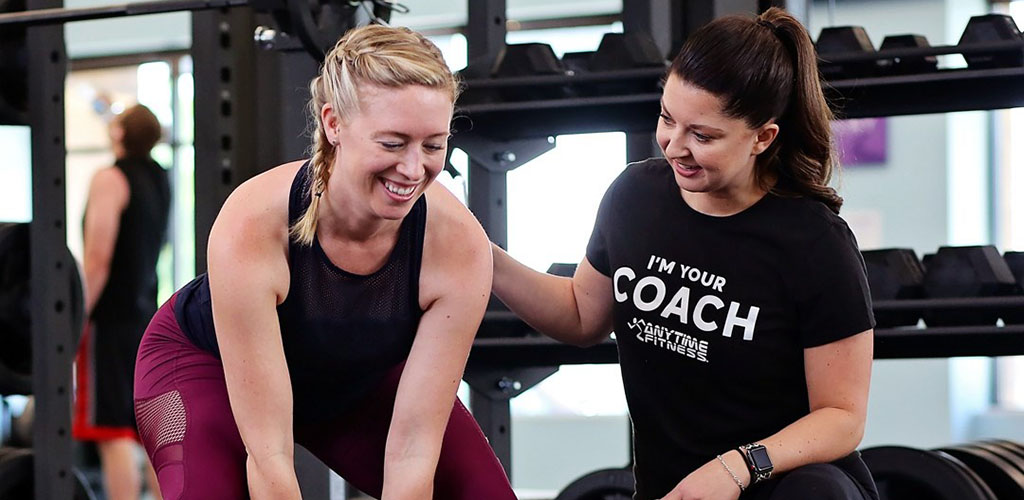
x: 894, y: 274
x: 529, y: 59
x: 905, y: 65
x: 992, y: 28
x: 617, y: 52
x: 962, y: 272
x: 562, y: 269
x: 845, y: 40
x: 1015, y: 260
x: 516, y: 60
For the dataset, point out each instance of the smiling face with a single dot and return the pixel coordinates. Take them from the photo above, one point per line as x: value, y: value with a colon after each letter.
x: 712, y: 155
x: 389, y: 151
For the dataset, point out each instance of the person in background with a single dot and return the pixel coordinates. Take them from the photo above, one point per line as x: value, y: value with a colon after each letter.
x: 125, y: 226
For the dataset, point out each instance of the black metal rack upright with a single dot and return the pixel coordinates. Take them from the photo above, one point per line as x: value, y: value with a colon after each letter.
x: 52, y: 345
x: 249, y: 116
x: 510, y: 136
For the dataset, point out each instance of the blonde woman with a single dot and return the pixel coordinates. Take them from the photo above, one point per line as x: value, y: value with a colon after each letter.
x: 340, y: 305
x: 124, y: 228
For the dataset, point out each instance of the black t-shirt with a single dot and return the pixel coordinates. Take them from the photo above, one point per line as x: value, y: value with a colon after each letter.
x: 712, y: 315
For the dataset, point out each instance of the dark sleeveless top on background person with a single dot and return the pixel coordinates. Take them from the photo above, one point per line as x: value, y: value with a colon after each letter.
x: 341, y: 331
x: 130, y: 293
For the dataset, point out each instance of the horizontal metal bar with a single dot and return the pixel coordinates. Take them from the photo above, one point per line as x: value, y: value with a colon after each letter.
x: 904, y: 52
x: 652, y: 73
x: 949, y: 342
x: 1005, y: 302
x: 941, y: 76
x: 890, y: 343
x: 1013, y: 301
x: 559, y: 104
x: 39, y: 17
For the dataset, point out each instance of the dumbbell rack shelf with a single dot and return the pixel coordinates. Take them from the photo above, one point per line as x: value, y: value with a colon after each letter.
x: 966, y: 303
x: 584, y: 108
x: 886, y: 93
x: 890, y: 343
x: 938, y: 92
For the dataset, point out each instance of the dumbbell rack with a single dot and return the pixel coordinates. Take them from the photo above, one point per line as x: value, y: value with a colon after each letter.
x: 582, y: 111
x: 940, y: 91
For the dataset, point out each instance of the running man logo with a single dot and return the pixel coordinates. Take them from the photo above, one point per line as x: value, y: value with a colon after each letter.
x: 669, y: 339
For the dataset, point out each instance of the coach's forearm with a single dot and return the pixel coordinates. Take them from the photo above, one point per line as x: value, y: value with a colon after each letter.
x: 824, y: 435
x: 544, y: 301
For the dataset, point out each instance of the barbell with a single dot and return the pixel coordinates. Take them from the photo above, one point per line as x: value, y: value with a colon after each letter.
x: 316, y: 23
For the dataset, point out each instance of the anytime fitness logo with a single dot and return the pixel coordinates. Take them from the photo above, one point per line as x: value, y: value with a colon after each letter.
x: 670, y: 339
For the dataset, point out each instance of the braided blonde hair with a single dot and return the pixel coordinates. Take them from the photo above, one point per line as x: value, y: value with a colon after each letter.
x: 377, y: 55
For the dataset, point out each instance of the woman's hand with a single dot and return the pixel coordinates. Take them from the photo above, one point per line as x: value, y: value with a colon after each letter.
x: 712, y: 481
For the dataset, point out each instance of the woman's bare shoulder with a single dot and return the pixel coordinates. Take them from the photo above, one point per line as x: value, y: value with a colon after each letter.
x: 258, y: 208
x: 453, y: 235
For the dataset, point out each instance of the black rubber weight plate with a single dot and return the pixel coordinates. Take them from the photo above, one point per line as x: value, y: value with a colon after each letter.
x: 973, y: 476
x: 1016, y: 460
x: 1012, y: 446
x: 16, y: 476
x: 1001, y: 476
x: 912, y: 474
x: 15, y: 473
x: 605, y: 484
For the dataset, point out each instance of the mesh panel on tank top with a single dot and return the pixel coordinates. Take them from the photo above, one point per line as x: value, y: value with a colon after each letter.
x: 342, y: 331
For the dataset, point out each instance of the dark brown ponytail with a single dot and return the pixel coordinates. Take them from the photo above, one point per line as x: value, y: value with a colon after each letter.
x: 766, y: 68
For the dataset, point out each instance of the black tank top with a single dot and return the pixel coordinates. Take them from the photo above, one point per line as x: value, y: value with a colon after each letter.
x: 341, y: 331
x: 130, y: 293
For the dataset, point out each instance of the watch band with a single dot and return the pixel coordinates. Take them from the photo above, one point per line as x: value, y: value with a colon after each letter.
x: 757, y: 473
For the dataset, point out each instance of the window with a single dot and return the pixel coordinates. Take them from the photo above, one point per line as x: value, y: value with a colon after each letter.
x: 552, y: 205
x: 1008, y: 163
x: 16, y: 171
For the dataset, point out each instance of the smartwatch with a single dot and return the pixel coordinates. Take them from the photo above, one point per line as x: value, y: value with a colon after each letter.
x: 758, y: 461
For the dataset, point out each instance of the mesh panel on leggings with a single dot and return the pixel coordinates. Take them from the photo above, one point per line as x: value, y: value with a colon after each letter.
x: 161, y: 419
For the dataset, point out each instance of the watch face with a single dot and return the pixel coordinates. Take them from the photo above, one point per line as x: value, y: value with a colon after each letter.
x: 759, y: 456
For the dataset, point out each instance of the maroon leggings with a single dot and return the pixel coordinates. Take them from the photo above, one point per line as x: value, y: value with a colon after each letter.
x: 186, y: 425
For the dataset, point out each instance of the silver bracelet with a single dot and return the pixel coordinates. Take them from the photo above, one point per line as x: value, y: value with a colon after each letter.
x: 731, y: 473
